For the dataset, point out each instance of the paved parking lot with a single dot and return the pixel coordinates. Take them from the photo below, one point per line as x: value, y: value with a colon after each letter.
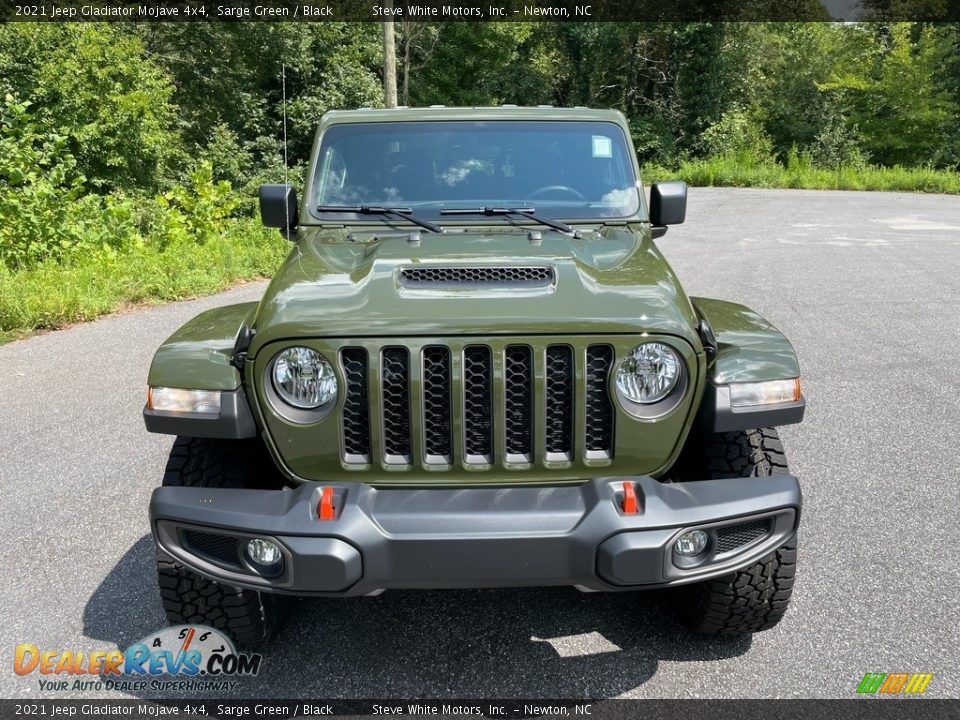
x: 866, y: 285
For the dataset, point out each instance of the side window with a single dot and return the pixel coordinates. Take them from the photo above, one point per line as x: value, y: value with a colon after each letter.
x: 333, y: 177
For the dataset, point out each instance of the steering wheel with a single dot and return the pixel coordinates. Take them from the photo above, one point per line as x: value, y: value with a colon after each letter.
x: 557, y: 188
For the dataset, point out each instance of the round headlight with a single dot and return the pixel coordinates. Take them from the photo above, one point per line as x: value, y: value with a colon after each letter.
x: 648, y: 373
x: 303, y: 378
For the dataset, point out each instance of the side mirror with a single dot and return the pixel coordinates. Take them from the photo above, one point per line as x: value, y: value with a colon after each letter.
x: 668, y: 204
x: 278, y: 208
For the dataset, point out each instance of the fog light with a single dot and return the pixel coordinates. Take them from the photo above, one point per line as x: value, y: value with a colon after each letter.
x: 691, y: 543
x: 264, y: 552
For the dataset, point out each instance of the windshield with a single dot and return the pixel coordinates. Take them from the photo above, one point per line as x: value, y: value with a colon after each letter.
x: 563, y: 169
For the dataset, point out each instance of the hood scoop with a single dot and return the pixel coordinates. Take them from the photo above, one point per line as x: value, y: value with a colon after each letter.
x: 441, y: 276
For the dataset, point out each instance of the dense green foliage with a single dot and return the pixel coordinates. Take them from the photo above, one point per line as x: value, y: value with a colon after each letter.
x: 799, y: 172
x: 841, y: 94
x: 129, y: 155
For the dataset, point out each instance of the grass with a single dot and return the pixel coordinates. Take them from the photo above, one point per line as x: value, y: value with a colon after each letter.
x: 51, y: 296
x: 734, y: 171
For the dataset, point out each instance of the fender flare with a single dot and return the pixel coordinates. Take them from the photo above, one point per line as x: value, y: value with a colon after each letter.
x: 746, y: 348
x: 201, y: 355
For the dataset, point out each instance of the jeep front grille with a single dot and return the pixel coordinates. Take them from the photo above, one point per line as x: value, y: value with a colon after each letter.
x: 532, y: 275
x: 511, y: 405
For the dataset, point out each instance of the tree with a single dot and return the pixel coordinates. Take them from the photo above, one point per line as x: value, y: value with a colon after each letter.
x: 896, y: 98
x: 228, y: 83
x: 389, y: 59
x: 93, y: 84
x: 417, y: 40
x: 479, y: 64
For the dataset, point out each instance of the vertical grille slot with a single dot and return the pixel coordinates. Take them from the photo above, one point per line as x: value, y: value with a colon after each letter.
x: 518, y: 403
x: 477, y: 402
x: 355, y: 416
x: 559, y: 403
x: 436, y: 405
x: 598, y: 410
x: 395, y: 376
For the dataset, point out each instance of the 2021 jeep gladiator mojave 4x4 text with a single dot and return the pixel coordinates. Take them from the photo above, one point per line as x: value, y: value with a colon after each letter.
x: 474, y: 369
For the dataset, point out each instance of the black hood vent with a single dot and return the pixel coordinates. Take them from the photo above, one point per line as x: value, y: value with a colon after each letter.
x: 440, y: 276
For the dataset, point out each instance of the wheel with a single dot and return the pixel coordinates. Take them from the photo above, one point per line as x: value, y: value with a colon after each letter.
x: 756, y: 597
x: 249, y: 617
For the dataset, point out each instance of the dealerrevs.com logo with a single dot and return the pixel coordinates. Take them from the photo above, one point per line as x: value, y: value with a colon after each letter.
x: 894, y: 683
x: 183, y: 657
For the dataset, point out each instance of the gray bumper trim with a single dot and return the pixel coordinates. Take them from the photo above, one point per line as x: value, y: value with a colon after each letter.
x: 476, y: 537
x: 234, y: 422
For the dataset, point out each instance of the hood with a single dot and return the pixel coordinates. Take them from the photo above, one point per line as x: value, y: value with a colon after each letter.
x: 611, y: 281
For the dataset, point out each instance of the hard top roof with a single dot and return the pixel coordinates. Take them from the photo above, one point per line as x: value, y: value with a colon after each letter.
x: 441, y: 112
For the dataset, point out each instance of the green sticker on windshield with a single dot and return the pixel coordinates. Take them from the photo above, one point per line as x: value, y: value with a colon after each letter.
x: 602, y: 146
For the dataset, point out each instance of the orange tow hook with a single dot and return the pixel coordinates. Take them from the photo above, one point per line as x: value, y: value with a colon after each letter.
x: 325, y: 510
x: 629, y: 506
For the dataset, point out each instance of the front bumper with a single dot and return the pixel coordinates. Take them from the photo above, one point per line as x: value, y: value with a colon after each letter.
x: 382, y: 538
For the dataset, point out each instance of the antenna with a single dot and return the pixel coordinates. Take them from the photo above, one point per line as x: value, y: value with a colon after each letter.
x: 283, y: 83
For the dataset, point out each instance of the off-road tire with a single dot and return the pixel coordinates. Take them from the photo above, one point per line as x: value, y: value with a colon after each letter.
x: 745, y: 453
x: 250, y: 618
x: 756, y: 597
x: 206, y: 462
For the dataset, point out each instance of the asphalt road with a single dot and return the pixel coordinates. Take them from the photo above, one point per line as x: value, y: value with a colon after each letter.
x: 867, y: 287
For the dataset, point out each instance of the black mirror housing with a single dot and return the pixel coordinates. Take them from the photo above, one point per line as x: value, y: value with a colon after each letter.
x: 278, y: 208
x: 668, y: 203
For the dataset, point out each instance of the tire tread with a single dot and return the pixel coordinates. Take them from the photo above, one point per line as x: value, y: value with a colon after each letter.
x: 249, y: 617
x: 754, y: 598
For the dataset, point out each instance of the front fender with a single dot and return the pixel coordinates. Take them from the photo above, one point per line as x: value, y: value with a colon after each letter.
x: 748, y: 349
x: 199, y: 356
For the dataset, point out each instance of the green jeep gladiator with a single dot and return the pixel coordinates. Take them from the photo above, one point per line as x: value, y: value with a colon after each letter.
x: 474, y: 369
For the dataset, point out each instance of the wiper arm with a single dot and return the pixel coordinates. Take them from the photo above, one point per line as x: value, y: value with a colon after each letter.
x: 406, y: 213
x: 530, y: 213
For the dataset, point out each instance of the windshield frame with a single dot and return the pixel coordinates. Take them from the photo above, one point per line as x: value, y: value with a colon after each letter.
x: 344, y: 218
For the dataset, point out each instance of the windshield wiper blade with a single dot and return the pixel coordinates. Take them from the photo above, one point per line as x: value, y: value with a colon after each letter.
x: 406, y: 213
x: 530, y: 213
